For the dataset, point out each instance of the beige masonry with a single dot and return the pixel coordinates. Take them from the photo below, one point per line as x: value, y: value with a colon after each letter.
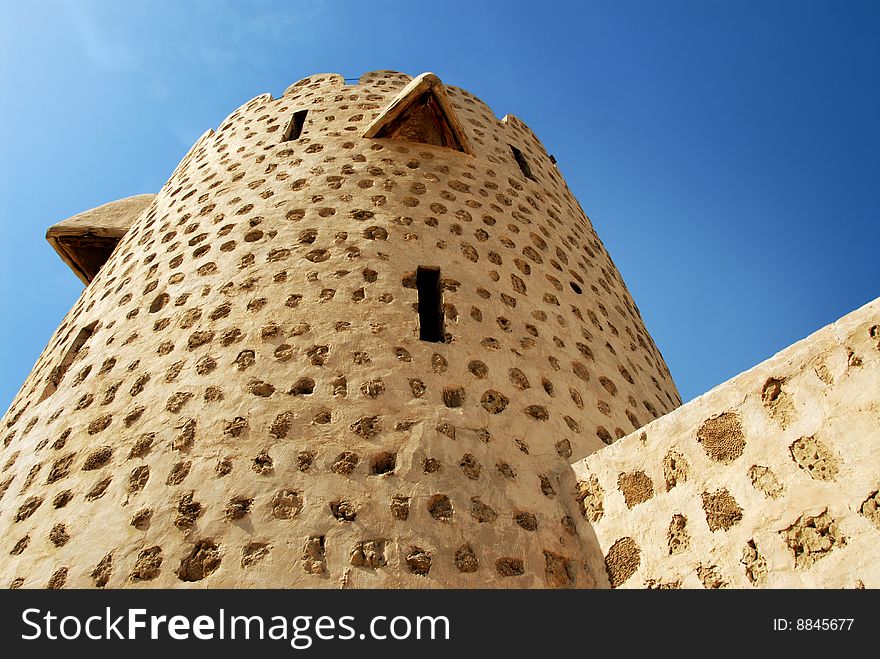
x: 241, y: 397
x: 768, y: 480
x: 358, y: 339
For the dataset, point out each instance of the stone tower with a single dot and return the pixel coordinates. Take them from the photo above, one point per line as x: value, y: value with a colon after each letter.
x: 356, y: 340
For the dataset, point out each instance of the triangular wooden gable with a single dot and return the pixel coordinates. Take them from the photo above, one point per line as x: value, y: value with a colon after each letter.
x: 422, y: 113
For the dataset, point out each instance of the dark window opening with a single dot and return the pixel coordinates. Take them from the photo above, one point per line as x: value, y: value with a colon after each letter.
x: 523, y: 163
x: 58, y: 373
x: 577, y: 289
x: 430, y: 305
x: 295, y: 127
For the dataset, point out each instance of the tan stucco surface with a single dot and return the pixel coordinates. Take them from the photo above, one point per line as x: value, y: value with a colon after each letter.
x: 768, y: 480
x: 240, y: 396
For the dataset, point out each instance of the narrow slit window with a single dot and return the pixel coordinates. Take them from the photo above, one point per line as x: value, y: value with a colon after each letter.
x: 523, y: 163
x: 295, y: 127
x: 58, y: 373
x: 430, y: 305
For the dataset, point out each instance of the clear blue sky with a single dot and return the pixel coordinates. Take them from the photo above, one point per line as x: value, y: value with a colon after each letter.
x: 728, y: 153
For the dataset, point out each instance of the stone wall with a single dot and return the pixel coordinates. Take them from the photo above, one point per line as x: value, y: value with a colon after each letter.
x: 770, y: 480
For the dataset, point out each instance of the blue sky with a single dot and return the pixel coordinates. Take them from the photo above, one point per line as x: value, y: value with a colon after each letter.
x: 728, y: 153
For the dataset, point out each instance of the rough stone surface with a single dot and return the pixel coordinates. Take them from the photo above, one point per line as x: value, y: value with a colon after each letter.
x: 242, y: 396
x: 783, y: 467
x: 250, y: 356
